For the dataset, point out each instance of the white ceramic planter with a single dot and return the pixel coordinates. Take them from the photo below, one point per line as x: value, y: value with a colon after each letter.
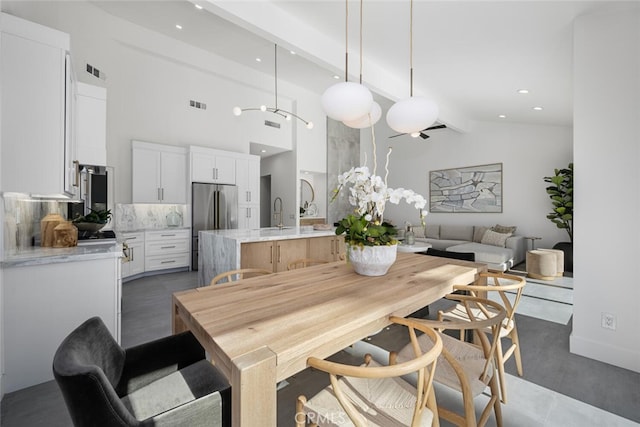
x: 372, y: 260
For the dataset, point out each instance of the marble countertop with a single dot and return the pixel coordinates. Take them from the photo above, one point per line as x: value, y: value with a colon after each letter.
x: 40, y: 256
x: 271, y: 233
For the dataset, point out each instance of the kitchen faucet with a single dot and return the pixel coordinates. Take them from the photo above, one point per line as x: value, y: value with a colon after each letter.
x: 278, y: 212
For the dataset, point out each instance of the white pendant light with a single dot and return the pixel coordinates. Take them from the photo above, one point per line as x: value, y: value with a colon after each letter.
x: 375, y: 112
x: 413, y: 114
x: 346, y: 101
x: 369, y: 119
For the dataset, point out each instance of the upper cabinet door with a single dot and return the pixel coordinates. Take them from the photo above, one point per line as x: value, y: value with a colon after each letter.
x: 145, y: 176
x: 213, y: 167
x: 159, y: 173
x: 91, y: 124
x: 34, y: 107
x: 248, y: 180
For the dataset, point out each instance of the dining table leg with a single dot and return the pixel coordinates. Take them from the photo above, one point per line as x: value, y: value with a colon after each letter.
x: 253, y: 389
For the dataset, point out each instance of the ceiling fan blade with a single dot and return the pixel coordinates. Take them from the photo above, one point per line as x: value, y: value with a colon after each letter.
x: 424, y: 135
x: 436, y: 127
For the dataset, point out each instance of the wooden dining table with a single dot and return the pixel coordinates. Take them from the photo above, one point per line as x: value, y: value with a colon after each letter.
x: 261, y: 330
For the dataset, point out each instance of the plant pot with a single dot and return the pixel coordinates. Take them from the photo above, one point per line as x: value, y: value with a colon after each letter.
x: 567, y: 248
x: 371, y: 260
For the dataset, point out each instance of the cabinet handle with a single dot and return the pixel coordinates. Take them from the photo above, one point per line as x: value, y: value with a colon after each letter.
x: 162, y: 192
x: 332, y: 250
x: 213, y: 173
x: 168, y: 262
x: 77, y: 174
x: 248, y: 212
x: 279, y: 258
x: 248, y: 196
x: 167, y: 247
x: 271, y: 261
x: 159, y: 198
x: 167, y: 235
x: 130, y: 254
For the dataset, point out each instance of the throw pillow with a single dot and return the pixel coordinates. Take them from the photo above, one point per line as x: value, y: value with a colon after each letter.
x: 504, y: 228
x: 478, y: 232
x: 496, y: 239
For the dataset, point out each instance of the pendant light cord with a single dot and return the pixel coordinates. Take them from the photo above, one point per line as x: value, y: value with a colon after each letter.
x: 411, y: 49
x: 275, y: 67
x: 346, y: 40
x: 360, y: 41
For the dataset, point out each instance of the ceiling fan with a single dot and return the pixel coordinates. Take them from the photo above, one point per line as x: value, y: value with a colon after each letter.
x: 423, y: 135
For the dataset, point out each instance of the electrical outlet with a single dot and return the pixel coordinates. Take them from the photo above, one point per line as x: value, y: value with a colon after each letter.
x: 609, y: 321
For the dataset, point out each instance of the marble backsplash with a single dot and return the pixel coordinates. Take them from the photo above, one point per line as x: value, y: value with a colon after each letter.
x: 22, y: 215
x: 132, y: 217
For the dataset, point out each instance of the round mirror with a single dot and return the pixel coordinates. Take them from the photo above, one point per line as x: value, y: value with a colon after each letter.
x: 307, y: 194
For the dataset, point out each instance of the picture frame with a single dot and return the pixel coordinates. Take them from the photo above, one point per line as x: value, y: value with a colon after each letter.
x: 471, y: 189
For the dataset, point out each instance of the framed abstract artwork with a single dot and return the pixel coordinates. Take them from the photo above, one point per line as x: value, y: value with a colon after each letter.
x: 468, y: 189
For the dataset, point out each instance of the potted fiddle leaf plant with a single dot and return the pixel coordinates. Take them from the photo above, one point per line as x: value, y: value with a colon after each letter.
x: 561, y: 193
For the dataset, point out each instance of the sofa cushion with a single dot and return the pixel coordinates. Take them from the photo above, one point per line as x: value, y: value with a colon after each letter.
x: 443, y: 244
x: 504, y: 228
x: 485, y: 253
x: 457, y: 232
x: 432, y: 232
x: 496, y: 239
x: 478, y: 232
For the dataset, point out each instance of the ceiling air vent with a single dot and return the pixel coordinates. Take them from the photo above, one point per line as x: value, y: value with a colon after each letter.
x: 272, y: 124
x: 197, y: 104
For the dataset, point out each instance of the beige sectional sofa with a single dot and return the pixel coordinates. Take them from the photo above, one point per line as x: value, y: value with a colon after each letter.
x: 496, y: 246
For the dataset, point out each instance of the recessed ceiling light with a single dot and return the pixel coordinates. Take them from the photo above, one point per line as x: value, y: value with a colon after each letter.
x: 538, y: 108
x: 292, y: 52
x: 502, y: 116
x: 178, y: 26
x: 198, y: 7
x: 258, y: 59
x: 523, y: 91
x: 263, y: 151
x: 335, y: 76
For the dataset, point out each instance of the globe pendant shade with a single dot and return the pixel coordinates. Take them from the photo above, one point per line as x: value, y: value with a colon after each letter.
x: 412, y: 114
x: 369, y: 119
x: 346, y: 101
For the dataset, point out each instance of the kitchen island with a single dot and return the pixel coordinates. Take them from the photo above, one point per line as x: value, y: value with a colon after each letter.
x: 270, y: 248
x: 47, y: 292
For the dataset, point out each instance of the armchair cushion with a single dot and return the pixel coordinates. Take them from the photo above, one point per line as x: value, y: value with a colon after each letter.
x: 177, y: 389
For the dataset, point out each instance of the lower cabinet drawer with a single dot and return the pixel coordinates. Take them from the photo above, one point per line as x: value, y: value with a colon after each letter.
x: 166, y: 246
x: 161, y: 262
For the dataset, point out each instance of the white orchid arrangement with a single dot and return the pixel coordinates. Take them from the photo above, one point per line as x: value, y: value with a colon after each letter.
x: 369, y: 194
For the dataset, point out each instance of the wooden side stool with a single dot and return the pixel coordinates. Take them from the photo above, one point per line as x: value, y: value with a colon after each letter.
x: 541, y: 265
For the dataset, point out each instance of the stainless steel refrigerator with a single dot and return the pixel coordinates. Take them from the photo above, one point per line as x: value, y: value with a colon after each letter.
x: 213, y: 207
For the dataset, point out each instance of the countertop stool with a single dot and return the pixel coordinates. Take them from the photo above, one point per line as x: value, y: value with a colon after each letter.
x: 541, y: 264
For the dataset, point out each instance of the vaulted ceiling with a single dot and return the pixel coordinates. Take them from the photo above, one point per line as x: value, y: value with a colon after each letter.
x: 472, y: 57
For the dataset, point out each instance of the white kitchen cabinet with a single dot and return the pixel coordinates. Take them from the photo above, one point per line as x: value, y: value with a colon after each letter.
x: 248, y: 183
x: 36, y: 81
x: 249, y: 217
x: 212, y: 166
x: 135, y: 244
x: 91, y: 124
x: 159, y: 173
x: 248, y: 180
x: 165, y: 249
x: 43, y: 303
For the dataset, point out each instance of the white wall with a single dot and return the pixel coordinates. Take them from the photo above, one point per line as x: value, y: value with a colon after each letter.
x: 607, y: 186
x: 527, y: 153
x: 150, y: 79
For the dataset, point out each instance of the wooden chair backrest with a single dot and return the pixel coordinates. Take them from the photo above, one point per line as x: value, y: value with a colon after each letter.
x: 238, y: 274
x: 501, y: 283
x: 424, y: 364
